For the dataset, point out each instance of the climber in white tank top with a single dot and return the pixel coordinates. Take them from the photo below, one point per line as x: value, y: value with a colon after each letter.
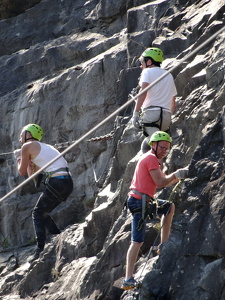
x: 32, y: 156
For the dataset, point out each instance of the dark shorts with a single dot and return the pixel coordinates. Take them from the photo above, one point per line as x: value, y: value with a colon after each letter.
x: 138, y: 235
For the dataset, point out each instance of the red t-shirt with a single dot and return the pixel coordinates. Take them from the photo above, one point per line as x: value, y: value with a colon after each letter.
x: 142, y: 180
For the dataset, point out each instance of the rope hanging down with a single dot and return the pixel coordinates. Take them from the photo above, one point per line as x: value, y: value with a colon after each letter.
x: 113, y: 114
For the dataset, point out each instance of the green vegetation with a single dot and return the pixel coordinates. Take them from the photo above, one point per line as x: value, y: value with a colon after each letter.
x: 55, y: 274
x: 12, y: 8
x: 32, y: 241
x: 89, y: 203
x: 4, y: 244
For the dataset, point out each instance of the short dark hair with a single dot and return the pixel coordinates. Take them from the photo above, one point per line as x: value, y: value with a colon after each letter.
x: 156, y: 63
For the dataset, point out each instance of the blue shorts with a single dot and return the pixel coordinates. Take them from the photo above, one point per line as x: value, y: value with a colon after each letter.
x: 133, y: 203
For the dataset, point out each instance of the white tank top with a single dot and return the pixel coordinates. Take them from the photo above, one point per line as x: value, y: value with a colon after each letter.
x: 47, y: 154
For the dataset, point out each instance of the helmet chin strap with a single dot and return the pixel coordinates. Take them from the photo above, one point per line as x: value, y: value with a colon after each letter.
x: 27, y: 139
x: 156, y: 149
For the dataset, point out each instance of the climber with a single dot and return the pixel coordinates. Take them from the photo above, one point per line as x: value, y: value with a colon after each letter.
x: 147, y: 177
x: 32, y: 156
x: 157, y: 103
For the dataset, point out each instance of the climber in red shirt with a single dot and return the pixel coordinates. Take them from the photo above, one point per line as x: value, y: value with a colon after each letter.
x: 147, y: 177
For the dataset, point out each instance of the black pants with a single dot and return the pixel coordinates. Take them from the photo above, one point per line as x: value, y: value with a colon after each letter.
x: 62, y: 188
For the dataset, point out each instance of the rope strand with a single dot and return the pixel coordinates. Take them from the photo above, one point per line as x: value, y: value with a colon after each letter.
x: 113, y: 114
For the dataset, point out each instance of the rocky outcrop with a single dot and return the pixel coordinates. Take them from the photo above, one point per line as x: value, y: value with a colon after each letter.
x: 67, y: 65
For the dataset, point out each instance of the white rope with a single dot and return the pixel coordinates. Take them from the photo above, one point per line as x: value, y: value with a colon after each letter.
x: 113, y: 114
x: 6, y: 153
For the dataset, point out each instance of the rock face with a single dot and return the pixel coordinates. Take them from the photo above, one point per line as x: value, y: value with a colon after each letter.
x: 67, y: 65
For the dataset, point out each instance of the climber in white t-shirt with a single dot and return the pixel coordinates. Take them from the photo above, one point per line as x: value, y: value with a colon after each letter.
x: 158, y: 102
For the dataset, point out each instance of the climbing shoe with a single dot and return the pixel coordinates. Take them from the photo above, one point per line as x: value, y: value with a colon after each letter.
x: 129, y: 284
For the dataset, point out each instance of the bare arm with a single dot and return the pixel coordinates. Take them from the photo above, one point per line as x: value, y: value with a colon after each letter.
x: 173, y: 105
x: 28, y: 152
x: 24, y: 161
x: 32, y: 168
x: 141, y: 98
x: 162, y: 180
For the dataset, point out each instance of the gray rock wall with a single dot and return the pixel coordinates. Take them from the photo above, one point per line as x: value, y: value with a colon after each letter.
x: 67, y: 65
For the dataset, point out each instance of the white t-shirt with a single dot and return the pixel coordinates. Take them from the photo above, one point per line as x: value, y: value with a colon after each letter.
x: 160, y: 94
x: 47, y: 154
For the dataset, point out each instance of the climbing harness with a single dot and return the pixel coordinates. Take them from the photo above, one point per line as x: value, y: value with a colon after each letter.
x: 49, y: 174
x: 48, y: 185
x: 115, y: 113
x: 147, y: 208
x: 157, y: 124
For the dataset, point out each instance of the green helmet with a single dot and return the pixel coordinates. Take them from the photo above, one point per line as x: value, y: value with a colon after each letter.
x: 35, y: 130
x: 155, y: 53
x: 160, y: 136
